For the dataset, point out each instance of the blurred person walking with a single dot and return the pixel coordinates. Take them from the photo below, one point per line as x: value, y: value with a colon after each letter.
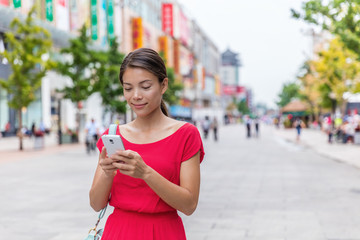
x: 215, y: 126
x: 256, y: 123
x: 298, y: 124
x: 248, y: 126
x: 205, y: 125
x: 92, y: 133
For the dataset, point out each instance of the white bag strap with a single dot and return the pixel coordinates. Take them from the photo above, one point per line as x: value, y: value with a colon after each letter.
x: 112, y: 129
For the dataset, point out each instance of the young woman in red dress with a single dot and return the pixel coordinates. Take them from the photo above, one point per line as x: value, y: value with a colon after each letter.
x: 159, y: 172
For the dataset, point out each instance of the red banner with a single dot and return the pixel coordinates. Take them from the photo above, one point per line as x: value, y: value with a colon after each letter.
x: 233, y: 90
x: 167, y: 18
x: 4, y: 2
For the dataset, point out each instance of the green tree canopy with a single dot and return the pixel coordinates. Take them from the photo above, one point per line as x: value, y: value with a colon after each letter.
x: 106, y: 77
x: 28, y: 52
x: 289, y: 92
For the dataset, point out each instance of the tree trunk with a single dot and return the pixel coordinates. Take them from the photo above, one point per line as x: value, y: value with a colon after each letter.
x: 19, y: 132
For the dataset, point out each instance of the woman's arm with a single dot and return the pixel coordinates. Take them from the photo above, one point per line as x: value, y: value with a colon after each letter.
x: 184, y: 197
x: 103, y: 179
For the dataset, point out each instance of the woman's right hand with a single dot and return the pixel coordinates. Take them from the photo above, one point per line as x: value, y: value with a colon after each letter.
x: 106, y: 164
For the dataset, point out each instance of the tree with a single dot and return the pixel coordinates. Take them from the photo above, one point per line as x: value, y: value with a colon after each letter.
x: 310, y: 88
x: 171, y: 96
x: 288, y: 93
x: 336, y: 68
x: 339, y: 17
x: 107, y: 81
x: 28, y: 48
x: 242, y: 107
x: 79, y: 67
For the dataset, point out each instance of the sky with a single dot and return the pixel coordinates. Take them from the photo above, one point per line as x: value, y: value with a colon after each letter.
x: 272, y: 46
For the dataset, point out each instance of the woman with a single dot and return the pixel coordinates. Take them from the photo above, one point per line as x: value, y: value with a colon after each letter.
x: 159, y: 172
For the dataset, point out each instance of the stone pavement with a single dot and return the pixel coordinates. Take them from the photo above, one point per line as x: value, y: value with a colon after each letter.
x: 317, y: 140
x: 266, y: 188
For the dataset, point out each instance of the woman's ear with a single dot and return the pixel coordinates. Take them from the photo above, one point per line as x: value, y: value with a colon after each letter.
x: 164, y: 85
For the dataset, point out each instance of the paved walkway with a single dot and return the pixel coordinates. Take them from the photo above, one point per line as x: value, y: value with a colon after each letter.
x: 317, y: 140
x: 264, y: 188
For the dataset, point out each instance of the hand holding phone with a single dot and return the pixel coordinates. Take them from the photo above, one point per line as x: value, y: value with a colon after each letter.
x: 112, y: 143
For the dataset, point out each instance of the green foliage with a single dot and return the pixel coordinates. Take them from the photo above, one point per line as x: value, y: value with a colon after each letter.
x: 78, y: 67
x: 337, y: 69
x: 339, y: 17
x: 171, y: 96
x: 27, y: 46
x: 243, y: 107
x: 288, y: 93
x: 107, y: 81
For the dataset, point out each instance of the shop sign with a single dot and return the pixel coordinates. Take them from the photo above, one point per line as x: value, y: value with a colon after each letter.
x: 49, y: 10
x: 17, y: 3
x: 177, y: 56
x: 167, y: 18
x: 4, y: 2
x: 93, y: 10
x: 137, y: 33
x: 163, y: 47
x: 110, y: 19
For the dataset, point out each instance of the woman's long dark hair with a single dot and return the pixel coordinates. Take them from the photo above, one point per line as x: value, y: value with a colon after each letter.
x: 149, y: 60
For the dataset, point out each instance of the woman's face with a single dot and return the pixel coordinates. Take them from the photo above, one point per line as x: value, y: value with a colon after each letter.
x: 142, y: 91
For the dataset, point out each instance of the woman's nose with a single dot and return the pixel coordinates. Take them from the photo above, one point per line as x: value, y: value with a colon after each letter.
x: 137, y: 94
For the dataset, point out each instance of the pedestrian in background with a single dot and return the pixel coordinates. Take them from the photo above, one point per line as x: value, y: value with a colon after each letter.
x: 248, y: 126
x: 298, y: 124
x: 92, y: 135
x: 205, y: 125
x: 256, y: 123
x: 215, y: 126
x: 159, y: 172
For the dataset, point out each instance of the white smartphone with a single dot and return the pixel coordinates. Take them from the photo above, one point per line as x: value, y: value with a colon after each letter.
x: 112, y: 143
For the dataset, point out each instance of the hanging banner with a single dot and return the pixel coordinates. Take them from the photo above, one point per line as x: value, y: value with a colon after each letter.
x: 49, y: 10
x: 177, y: 56
x: 163, y: 47
x: 4, y: 2
x: 110, y: 20
x: 137, y: 33
x: 93, y: 10
x: 17, y: 3
x: 167, y: 18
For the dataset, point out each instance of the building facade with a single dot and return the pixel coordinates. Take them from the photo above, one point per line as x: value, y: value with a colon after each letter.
x: 161, y: 25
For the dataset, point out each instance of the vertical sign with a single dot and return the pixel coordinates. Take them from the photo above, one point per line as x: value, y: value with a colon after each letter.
x: 110, y: 20
x: 203, y: 75
x: 49, y: 10
x: 137, y: 33
x: 163, y: 44
x: 167, y: 18
x: 17, y: 3
x: 93, y: 11
x: 177, y: 56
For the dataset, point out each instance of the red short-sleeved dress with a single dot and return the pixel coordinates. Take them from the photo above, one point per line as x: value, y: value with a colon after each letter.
x: 139, y: 213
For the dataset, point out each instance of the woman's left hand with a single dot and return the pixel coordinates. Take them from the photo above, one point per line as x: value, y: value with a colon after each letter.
x: 130, y: 163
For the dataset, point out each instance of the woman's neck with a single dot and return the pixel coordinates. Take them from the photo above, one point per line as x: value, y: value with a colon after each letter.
x: 152, y: 121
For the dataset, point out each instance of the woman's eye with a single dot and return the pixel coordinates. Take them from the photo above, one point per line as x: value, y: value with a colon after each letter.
x: 146, y: 87
x: 127, y: 89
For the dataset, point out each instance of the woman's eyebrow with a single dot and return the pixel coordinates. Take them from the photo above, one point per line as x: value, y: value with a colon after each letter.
x: 144, y: 81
